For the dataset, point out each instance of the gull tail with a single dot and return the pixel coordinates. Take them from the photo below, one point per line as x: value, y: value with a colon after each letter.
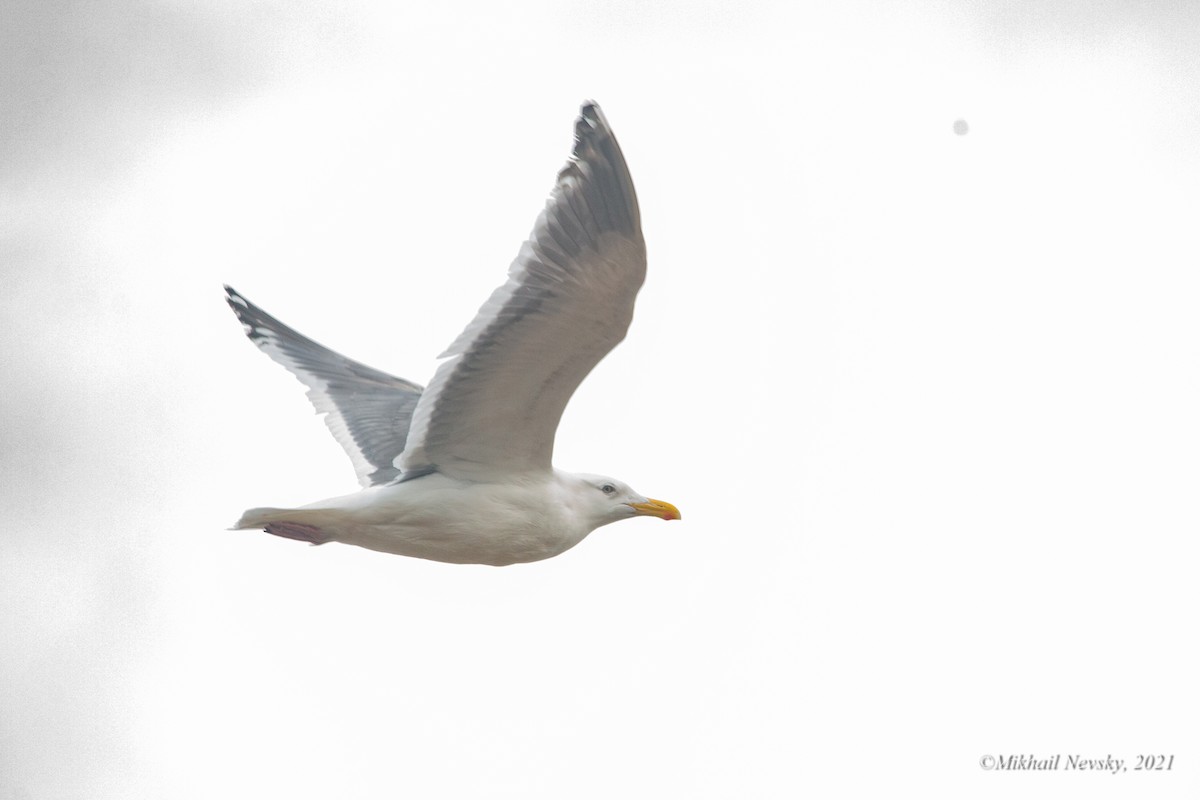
x: 303, y: 525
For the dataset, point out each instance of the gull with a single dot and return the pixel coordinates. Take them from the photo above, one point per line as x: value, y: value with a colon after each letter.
x: 460, y: 471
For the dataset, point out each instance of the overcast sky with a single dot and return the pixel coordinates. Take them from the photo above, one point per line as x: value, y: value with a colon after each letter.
x: 927, y: 400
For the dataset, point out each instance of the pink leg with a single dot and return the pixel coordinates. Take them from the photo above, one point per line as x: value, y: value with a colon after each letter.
x: 299, y: 532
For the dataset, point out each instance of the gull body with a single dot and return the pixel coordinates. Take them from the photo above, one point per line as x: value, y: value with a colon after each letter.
x: 460, y: 521
x: 461, y: 471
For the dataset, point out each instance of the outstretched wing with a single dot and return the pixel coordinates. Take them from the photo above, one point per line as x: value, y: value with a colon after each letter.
x: 493, y: 406
x: 367, y: 411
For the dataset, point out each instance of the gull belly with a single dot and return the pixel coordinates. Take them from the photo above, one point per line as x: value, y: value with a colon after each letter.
x: 440, y: 518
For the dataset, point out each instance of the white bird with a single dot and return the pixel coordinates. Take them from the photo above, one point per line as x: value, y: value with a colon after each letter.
x: 461, y: 471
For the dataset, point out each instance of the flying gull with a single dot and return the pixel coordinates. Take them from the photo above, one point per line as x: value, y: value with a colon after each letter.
x: 460, y: 471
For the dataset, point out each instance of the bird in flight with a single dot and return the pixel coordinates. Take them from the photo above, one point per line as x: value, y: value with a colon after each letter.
x: 460, y: 471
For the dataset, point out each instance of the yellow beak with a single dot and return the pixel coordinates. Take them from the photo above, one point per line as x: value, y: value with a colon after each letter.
x: 656, y: 508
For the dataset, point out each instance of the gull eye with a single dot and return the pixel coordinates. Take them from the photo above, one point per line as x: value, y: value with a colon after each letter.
x: 608, y: 488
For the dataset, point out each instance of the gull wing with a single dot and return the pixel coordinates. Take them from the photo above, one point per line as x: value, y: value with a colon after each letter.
x: 367, y: 411
x: 494, y: 403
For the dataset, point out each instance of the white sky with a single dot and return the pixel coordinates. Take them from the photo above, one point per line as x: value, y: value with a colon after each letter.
x: 928, y: 402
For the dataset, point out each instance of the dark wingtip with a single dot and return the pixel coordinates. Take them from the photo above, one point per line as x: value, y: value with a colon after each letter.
x: 236, y: 301
x: 591, y: 120
x: 245, y: 311
x: 596, y: 160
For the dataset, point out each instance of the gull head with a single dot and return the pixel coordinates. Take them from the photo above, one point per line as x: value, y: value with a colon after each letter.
x: 606, y: 500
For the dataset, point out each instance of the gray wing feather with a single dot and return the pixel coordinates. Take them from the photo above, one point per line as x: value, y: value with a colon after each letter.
x: 367, y: 411
x: 494, y: 404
